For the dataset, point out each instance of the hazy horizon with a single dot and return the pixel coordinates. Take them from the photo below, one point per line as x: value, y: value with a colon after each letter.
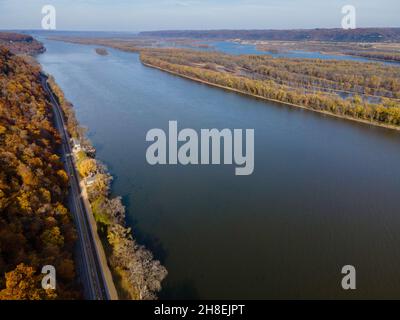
x: 155, y: 30
x: 154, y: 15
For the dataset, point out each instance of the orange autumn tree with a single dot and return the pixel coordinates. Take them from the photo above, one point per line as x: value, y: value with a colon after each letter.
x: 24, y: 284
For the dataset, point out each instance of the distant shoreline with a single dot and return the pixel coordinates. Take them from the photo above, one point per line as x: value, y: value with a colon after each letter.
x: 373, y: 123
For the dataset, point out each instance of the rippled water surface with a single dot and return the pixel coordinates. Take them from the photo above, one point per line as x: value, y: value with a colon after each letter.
x: 324, y: 193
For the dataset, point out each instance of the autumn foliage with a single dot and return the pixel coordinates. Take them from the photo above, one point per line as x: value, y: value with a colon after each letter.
x: 36, y: 228
x: 365, y: 91
x: 20, y: 43
x: 23, y: 284
x: 137, y: 274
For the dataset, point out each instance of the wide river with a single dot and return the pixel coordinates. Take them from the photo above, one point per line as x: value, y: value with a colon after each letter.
x: 324, y: 193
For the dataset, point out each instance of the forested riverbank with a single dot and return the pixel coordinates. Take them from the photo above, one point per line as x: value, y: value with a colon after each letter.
x: 36, y: 228
x: 21, y: 43
x: 136, y: 273
x: 372, y: 90
x: 384, y: 56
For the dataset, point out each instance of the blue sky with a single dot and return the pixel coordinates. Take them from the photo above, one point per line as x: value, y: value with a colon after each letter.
x: 136, y: 15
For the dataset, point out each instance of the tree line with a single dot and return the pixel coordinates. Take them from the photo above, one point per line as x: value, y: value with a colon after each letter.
x: 334, y: 34
x: 136, y: 273
x: 380, y: 55
x: 226, y: 70
x: 20, y: 43
x: 361, y: 78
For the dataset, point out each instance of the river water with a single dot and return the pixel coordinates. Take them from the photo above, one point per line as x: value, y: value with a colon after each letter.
x: 324, y: 192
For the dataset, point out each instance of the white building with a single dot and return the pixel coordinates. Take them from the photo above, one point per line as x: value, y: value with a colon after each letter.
x: 90, y: 180
x: 76, y: 145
